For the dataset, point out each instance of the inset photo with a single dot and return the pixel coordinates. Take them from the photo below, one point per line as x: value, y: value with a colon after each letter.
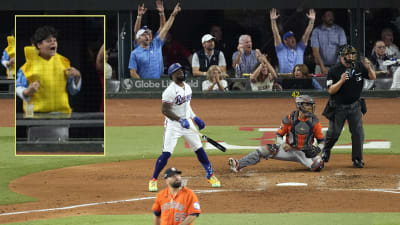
x: 59, y: 85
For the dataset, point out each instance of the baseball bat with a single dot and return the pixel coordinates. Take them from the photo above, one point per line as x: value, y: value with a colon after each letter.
x: 209, y: 140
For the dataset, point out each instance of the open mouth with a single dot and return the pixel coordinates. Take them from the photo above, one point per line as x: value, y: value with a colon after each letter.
x: 53, y: 48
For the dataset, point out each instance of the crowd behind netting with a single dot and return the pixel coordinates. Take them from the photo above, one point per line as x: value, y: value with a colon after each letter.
x: 271, y: 49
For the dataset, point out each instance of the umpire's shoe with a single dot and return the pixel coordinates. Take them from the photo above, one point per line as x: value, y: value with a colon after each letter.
x: 358, y: 164
x: 326, y: 154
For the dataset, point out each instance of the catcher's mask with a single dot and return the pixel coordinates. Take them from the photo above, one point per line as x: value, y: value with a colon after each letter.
x: 348, y: 50
x: 175, y: 67
x: 302, y: 101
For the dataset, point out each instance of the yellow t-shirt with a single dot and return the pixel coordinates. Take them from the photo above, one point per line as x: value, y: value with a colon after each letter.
x: 52, y: 95
x: 10, y: 49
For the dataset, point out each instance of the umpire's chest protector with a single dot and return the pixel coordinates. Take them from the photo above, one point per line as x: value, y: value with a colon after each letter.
x: 301, y: 132
x: 52, y: 95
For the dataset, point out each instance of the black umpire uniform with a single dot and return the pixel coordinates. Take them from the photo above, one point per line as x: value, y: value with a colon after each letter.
x: 345, y: 103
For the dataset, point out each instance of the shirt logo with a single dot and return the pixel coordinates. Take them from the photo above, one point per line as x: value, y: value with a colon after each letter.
x: 179, y: 100
x: 196, y: 205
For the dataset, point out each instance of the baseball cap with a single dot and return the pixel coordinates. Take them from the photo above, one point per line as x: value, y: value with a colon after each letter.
x: 141, y: 31
x: 174, y: 67
x: 288, y: 34
x: 207, y: 37
x: 170, y: 172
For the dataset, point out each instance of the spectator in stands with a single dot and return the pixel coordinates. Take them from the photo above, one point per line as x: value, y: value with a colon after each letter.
x: 46, y: 75
x: 246, y: 58
x: 206, y: 57
x: 263, y: 78
x: 220, y: 43
x: 392, y: 51
x: 290, y: 53
x: 138, y: 23
x: 146, y: 60
x: 378, y: 56
x: 300, y: 71
x: 174, y: 51
x: 215, y: 80
x: 325, y: 40
x: 8, y: 58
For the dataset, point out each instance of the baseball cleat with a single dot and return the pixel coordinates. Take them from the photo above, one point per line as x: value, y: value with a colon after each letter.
x: 358, y: 164
x: 214, y: 181
x: 234, y: 164
x: 326, y: 154
x: 153, y: 185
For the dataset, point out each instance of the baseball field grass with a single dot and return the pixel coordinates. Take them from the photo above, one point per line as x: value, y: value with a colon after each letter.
x: 237, y: 219
x: 122, y: 144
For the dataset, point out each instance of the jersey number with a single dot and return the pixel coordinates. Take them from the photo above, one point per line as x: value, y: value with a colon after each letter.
x: 180, y: 217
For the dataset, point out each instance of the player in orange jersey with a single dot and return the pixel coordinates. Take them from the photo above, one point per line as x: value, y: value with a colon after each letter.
x: 176, y: 204
x: 300, y: 128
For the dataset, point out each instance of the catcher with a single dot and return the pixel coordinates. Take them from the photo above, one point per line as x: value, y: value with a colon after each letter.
x: 300, y: 127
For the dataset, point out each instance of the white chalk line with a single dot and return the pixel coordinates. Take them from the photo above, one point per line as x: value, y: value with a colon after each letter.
x: 393, y: 191
x: 100, y: 203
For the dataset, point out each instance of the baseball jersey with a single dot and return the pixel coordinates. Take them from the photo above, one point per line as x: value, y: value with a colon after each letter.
x: 286, y: 127
x: 180, y: 98
x: 174, y: 209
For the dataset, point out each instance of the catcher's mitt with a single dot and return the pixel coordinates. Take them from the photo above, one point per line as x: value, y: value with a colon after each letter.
x: 311, y: 151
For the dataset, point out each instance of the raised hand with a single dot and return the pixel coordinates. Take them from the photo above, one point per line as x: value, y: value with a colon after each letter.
x: 160, y: 6
x: 273, y: 15
x: 141, y: 10
x: 177, y: 9
x: 311, y: 15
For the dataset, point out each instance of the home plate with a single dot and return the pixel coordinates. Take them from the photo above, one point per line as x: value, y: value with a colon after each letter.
x: 291, y: 184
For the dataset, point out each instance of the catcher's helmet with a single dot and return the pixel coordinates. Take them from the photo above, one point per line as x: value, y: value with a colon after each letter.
x: 172, y: 68
x: 305, y: 99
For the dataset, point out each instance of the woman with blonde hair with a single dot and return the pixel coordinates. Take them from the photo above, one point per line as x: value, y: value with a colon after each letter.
x: 215, y: 80
x: 263, y: 77
x: 301, y: 71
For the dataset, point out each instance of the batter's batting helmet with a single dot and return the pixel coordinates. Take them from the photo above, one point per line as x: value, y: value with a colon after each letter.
x: 174, y: 67
x: 305, y: 99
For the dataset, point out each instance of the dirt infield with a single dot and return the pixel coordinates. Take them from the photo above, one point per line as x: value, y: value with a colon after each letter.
x: 338, y: 188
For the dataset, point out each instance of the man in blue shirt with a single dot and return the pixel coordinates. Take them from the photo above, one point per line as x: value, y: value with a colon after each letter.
x: 290, y: 53
x: 325, y: 40
x: 145, y: 61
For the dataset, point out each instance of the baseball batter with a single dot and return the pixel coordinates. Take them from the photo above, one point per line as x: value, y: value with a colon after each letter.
x: 300, y: 128
x: 178, y: 121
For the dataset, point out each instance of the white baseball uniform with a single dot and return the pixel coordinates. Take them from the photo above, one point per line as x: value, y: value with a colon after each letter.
x: 179, y: 98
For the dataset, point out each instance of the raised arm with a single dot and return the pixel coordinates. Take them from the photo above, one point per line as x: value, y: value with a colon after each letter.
x: 164, y: 30
x: 141, y: 11
x: 371, y: 72
x: 100, y: 59
x: 273, y: 16
x: 160, y: 9
x: 307, y: 33
x: 270, y: 68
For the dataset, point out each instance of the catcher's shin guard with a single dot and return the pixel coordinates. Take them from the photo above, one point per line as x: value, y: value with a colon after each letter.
x: 317, y: 165
x: 254, y: 157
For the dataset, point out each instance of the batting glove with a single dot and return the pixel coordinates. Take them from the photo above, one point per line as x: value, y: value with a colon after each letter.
x: 200, y: 123
x: 184, y: 123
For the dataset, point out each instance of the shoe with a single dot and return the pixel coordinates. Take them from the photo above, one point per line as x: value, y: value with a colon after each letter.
x: 234, y: 164
x: 153, y: 185
x: 214, y: 181
x: 326, y: 154
x: 358, y: 164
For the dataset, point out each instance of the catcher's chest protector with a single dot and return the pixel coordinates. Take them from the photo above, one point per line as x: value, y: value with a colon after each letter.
x: 301, y: 130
